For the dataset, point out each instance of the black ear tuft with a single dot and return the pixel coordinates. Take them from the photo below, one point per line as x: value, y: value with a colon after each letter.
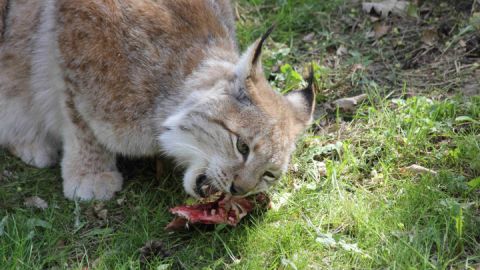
x: 303, y: 101
x: 309, y: 91
x: 258, y: 50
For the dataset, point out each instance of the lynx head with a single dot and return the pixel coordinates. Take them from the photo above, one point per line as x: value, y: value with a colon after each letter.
x: 234, y: 133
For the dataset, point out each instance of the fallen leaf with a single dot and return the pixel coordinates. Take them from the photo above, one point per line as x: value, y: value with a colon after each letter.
x: 341, y: 50
x: 357, y: 67
x: 102, y: 214
x: 35, y: 202
x: 100, y: 211
x: 429, y: 37
x: 348, y: 104
x: 121, y: 201
x: 384, y: 8
x: 380, y: 30
x: 60, y: 244
x: 97, y: 214
x: 417, y: 169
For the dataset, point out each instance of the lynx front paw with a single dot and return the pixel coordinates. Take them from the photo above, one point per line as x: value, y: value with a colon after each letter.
x: 100, y: 186
x: 37, y: 155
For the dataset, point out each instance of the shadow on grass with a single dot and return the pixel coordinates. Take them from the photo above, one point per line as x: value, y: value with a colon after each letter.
x: 108, y: 234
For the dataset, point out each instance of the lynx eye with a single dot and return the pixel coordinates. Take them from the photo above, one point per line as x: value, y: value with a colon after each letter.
x: 242, y: 147
x: 269, y: 176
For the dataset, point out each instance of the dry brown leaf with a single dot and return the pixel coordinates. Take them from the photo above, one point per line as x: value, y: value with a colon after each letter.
x: 102, y: 214
x: 357, y: 67
x: 380, y: 30
x: 429, y: 37
x: 121, y: 201
x: 60, y: 244
x: 348, y: 104
x: 386, y: 7
x: 100, y: 211
x: 35, y: 202
x: 417, y: 169
x: 97, y: 214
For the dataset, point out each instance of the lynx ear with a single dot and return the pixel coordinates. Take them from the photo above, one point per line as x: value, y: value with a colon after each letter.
x: 250, y: 64
x: 303, y: 101
x: 258, y: 47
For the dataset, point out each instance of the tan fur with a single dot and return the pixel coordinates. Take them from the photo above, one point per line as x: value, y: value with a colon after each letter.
x: 137, y: 77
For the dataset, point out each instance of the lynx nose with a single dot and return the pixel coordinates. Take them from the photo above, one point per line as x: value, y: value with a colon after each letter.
x: 236, y: 190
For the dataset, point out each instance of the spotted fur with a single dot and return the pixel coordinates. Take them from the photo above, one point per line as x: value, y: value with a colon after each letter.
x: 97, y: 78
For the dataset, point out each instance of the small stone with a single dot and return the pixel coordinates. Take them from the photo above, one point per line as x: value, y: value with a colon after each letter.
x: 309, y: 37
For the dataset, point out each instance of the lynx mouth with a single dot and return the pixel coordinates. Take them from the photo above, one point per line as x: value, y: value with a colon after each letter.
x: 203, y: 186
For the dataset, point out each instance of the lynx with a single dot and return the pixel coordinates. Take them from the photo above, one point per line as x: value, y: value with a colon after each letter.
x: 84, y: 81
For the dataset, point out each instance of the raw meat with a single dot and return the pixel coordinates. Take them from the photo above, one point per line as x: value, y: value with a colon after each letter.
x: 225, y: 210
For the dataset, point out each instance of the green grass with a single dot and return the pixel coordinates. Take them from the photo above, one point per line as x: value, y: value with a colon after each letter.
x: 365, y: 212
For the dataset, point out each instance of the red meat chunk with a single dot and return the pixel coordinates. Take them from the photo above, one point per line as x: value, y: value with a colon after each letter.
x: 225, y: 210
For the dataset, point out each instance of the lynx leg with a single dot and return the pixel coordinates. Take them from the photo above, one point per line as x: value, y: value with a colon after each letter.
x: 41, y: 153
x: 88, y: 169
